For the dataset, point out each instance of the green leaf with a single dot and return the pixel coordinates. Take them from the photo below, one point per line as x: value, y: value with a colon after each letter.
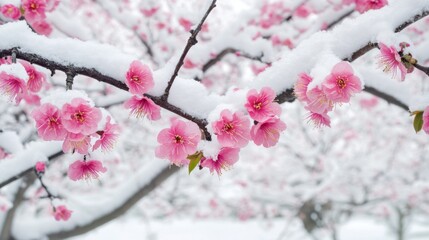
x: 418, y: 121
x: 194, y: 160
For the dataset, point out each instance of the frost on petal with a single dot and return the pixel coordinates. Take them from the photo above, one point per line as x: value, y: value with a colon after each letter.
x: 87, y: 170
x: 139, y: 78
x: 232, y: 130
x: 178, y: 141
x: 225, y: 159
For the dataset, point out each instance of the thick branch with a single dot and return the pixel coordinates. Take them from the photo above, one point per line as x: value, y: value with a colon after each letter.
x: 142, y: 192
x: 91, y: 72
x: 191, y: 42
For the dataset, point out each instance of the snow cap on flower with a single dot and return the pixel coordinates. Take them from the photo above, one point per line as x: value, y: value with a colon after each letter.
x: 224, y: 160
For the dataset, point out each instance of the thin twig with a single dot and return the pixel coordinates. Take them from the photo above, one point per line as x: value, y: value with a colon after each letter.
x: 191, y: 42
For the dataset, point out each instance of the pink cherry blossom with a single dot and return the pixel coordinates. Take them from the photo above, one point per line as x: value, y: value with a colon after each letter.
x: 35, y: 78
x: 34, y: 10
x: 426, y: 120
x: 139, y: 78
x: 391, y: 61
x: 318, y: 101
x: 232, y: 130
x: 143, y: 106
x: 178, y: 141
x: 87, y: 170
x: 76, y: 142
x: 79, y: 117
x: 365, y: 5
x: 62, y: 213
x: 40, y: 167
x: 10, y: 11
x: 30, y: 98
x: 149, y: 12
x: 225, y: 159
x: 12, y: 86
x: 185, y: 23
x: 341, y: 84
x: 42, y: 27
x: 320, y: 119
x: 267, y: 132
x: 108, y: 136
x: 301, y: 86
x: 48, y: 122
x: 261, y: 105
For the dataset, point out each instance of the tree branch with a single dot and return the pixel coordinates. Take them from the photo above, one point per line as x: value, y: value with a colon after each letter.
x: 191, y: 42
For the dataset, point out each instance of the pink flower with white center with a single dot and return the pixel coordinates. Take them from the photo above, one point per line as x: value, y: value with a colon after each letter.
x: 225, y: 159
x: 178, y: 141
x: 42, y: 27
x: 318, y: 101
x: 40, y: 167
x: 365, y: 5
x: 76, y: 142
x: 426, y: 120
x: 48, y: 122
x: 12, y: 86
x: 79, y: 117
x: 139, y: 78
x: 62, y: 213
x: 320, y: 119
x: 35, y: 78
x: 261, y: 105
x: 391, y: 61
x: 341, y: 84
x: 143, y: 106
x: 232, y: 130
x: 108, y: 136
x: 10, y: 11
x: 267, y: 133
x: 34, y: 10
x: 87, y: 170
x: 301, y: 87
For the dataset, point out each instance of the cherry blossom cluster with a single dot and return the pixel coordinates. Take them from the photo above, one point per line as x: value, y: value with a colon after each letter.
x: 365, y: 5
x: 20, y: 81
x: 182, y: 145
x: 77, y: 123
x: 34, y: 12
x: 337, y: 88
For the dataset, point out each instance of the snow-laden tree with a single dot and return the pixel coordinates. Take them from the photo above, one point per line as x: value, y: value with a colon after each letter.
x: 123, y: 94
